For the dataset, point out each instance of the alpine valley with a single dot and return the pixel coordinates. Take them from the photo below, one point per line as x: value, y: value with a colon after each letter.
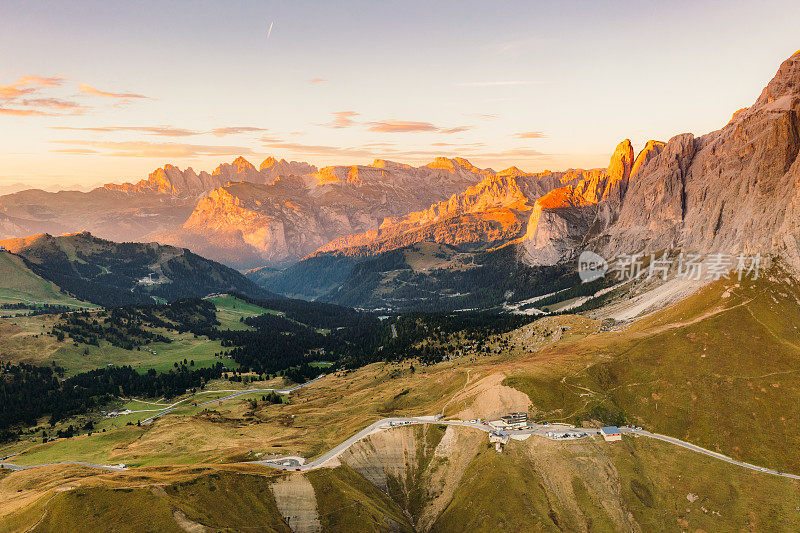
x: 389, y: 347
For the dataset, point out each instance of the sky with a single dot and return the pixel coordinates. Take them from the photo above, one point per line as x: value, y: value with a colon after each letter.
x: 99, y: 92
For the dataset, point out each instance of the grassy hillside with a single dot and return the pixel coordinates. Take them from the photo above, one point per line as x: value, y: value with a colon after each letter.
x: 720, y: 369
x: 231, y: 309
x: 460, y: 483
x: 627, y: 486
x: 23, y: 339
x: 18, y: 284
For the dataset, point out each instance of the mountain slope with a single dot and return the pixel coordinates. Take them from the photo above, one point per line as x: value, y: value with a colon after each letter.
x: 19, y: 284
x: 110, y: 273
x: 718, y: 369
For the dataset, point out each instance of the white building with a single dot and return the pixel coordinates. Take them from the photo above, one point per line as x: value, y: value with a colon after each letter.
x: 611, y: 433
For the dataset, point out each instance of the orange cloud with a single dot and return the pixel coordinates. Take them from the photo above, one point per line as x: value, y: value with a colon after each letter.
x: 87, y: 89
x: 318, y: 150
x: 22, y: 112
x: 530, y: 135
x: 405, y: 126
x: 342, y: 119
x: 76, y: 151
x: 485, y: 116
x: 54, y: 103
x: 236, y: 130
x: 401, y: 126
x: 317, y: 80
x: 166, y: 131
x: 158, y: 150
x: 29, y: 86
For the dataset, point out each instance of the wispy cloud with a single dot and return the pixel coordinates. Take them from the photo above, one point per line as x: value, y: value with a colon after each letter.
x: 513, y: 152
x: 342, y: 119
x: 236, y: 130
x: 27, y: 85
x: 484, y: 116
x: 495, y: 83
x: 92, y: 91
x: 154, y: 149
x: 317, y: 80
x: 406, y: 126
x: 317, y: 150
x: 75, y: 151
x: 458, y: 129
x: 166, y: 131
x: 530, y: 135
x: 54, y: 103
x: 24, y: 96
x: 22, y: 112
x: 401, y: 126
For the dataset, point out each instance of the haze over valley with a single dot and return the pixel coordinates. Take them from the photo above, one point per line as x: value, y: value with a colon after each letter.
x: 434, y: 267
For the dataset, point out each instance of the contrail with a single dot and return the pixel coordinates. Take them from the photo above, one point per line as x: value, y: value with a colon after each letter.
x: 269, y: 31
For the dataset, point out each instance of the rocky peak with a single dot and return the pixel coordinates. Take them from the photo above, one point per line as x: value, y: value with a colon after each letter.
x: 651, y: 150
x: 269, y: 162
x: 383, y: 163
x: 619, y: 168
x: 512, y: 172
x: 239, y: 166
x: 444, y: 163
x: 785, y: 83
x: 243, y: 165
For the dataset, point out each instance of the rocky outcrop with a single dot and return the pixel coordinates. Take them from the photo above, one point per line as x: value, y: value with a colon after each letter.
x: 557, y: 226
x: 297, y: 502
x: 735, y: 190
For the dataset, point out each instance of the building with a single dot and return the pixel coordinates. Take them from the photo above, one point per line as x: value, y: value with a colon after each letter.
x: 611, y: 433
x: 515, y: 420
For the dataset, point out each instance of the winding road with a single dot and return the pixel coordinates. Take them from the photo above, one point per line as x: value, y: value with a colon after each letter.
x: 698, y: 449
x: 296, y: 463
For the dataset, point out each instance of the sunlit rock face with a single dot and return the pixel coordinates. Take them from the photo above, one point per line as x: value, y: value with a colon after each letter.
x: 735, y: 190
x: 562, y: 219
x: 505, y: 207
x: 250, y: 224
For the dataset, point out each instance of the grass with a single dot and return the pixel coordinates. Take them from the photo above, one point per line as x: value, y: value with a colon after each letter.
x: 19, y: 342
x: 636, y: 484
x: 97, y: 448
x: 346, y: 501
x: 720, y: 372
x: 19, y: 284
x: 231, y: 309
x: 171, y: 500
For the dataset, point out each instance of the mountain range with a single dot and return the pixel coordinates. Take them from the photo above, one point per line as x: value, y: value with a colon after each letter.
x: 731, y: 191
